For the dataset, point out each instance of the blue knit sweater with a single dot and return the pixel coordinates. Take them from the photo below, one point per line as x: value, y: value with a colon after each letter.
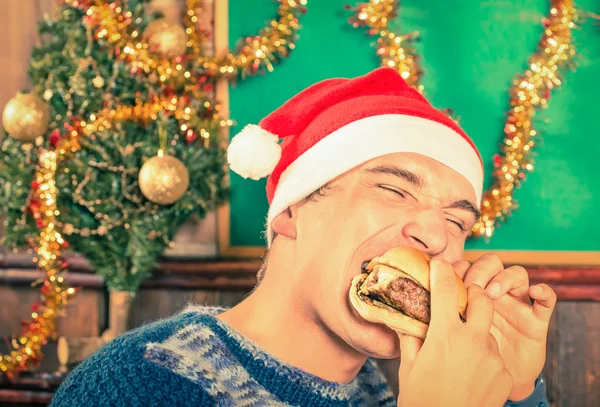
x: 192, y: 358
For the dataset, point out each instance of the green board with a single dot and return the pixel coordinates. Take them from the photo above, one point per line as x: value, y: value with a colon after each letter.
x: 471, y: 51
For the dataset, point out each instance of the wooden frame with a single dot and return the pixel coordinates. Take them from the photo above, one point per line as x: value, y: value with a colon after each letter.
x: 541, y: 257
x: 570, y: 283
x: 528, y: 257
x: 221, y: 36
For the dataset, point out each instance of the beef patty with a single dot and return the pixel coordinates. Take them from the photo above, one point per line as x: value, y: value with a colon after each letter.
x: 406, y: 296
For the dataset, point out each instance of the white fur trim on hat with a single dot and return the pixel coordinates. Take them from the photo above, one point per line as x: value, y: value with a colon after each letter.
x: 254, y: 152
x: 366, y: 139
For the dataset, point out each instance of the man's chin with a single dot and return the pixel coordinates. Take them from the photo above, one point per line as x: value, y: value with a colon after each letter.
x: 374, y: 340
x: 384, y: 349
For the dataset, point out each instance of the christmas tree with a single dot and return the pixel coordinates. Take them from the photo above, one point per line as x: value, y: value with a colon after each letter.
x: 125, y: 98
x: 117, y: 143
x: 148, y: 155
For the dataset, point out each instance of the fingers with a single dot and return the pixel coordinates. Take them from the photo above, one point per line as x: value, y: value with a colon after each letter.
x: 493, y: 341
x: 484, y: 269
x: 409, y: 348
x: 513, y: 280
x: 444, y: 296
x: 461, y: 268
x: 514, y: 317
x: 489, y: 272
x: 503, y: 385
x: 480, y: 309
x: 544, y: 301
x: 517, y: 319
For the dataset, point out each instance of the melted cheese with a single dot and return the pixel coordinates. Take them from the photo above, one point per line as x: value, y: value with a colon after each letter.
x: 385, y: 276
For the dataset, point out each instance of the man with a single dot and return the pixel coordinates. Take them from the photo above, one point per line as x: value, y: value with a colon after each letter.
x: 366, y: 164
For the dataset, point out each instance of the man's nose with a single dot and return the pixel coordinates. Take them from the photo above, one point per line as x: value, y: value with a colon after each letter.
x: 426, y: 231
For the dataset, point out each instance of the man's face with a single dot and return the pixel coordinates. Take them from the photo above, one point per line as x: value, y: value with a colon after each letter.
x: 397, y: 200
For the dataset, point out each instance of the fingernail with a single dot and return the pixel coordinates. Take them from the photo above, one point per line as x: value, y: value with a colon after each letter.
x: 536, y: 289
x: 494, y: 289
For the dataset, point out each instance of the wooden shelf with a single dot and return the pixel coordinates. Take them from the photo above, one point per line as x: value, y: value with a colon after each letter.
x: 29, y: 389
x: 570, y: 283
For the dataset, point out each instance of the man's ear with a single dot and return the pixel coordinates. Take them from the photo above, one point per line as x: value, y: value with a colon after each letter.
x: 285, y: 223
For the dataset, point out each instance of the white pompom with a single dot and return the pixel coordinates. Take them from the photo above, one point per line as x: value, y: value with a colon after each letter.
x: 254, y: 152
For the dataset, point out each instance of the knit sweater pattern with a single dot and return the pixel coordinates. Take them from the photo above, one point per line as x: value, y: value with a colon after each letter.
x: 194, y: 359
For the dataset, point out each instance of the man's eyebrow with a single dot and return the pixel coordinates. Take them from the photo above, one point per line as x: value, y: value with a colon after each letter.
x: 406, y: 175
x: 417, y: 181
x: 468, y: 206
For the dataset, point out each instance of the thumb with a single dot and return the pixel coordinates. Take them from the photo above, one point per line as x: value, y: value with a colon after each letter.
x: 444, y: 296
x: 409, y: 348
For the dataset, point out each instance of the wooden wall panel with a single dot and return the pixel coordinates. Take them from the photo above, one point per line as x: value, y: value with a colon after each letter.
x: 572, y: 366
x: 85, y: 314
x: 15, y: 45
x: 552, y: 362
x: 578, y: 365
x: 18, y: 23
x: 153, y: 304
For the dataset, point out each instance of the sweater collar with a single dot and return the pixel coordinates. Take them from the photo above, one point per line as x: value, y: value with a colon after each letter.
x: 287, y: 382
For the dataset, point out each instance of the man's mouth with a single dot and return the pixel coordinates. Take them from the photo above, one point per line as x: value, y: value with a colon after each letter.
x: 395, y: 292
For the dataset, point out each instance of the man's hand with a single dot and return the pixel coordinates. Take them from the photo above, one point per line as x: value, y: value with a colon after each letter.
x: 458, y: 364
x: 519, y: 327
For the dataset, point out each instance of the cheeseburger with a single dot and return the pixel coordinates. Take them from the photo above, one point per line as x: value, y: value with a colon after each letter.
x: 394, y: 290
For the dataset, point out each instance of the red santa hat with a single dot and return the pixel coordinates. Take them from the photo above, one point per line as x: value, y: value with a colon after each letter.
x: 337, y: 124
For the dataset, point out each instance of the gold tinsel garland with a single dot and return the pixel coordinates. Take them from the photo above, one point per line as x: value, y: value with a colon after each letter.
x: 394, y: 50
x: 27, y: 349
x: 111, y: 22
x: 530, y: 91
x: 143, y: 113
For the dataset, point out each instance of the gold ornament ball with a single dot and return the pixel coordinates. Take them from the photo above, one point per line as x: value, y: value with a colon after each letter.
x: 98, y: 81
x: 26, y: 117
x: 163, y: 179
x: 166, y: 38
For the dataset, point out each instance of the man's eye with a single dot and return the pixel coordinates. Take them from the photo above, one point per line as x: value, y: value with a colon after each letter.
x: 395, y: 191
x: 460, y: 226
